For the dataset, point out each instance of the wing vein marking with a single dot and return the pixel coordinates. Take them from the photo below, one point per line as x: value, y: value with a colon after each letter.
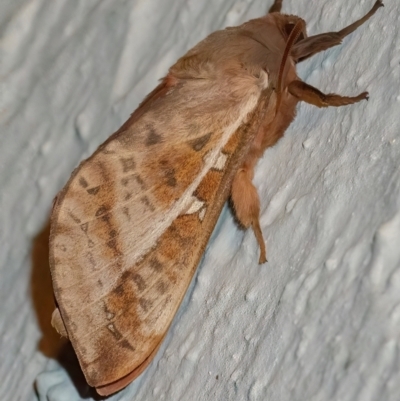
x: 120, y: 202
x: 128, y: 308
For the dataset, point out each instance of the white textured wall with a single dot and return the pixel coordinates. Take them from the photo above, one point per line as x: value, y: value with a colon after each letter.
x: 320, y: 321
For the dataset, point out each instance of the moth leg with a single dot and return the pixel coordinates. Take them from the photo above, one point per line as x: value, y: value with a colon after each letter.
x: 314, y: 44
x: 276, y: 7
x: 246, y: 204
x: 311, y: 95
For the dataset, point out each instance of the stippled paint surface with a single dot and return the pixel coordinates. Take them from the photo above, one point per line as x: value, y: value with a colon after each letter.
x: 327, y: 326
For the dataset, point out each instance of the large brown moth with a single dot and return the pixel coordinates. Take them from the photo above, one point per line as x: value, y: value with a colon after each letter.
x: 129, y: 227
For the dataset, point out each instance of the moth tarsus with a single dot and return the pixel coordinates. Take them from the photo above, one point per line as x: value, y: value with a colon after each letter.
x: 131, y: 224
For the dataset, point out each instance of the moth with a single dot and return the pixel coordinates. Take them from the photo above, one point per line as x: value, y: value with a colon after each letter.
x: 131, y: 224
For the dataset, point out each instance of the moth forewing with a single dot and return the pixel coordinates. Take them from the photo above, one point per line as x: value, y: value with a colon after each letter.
x: 118, y: 292
x: 130, y: 226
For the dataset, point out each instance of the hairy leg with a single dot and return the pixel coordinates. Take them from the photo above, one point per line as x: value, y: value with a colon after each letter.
x: 246, y: 204
x: 311, y: 95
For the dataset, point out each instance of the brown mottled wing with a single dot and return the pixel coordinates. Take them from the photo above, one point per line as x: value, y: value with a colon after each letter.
x: 131, y: 224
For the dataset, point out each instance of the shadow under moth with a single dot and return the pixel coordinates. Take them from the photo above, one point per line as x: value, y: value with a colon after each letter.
x: 131, y: 224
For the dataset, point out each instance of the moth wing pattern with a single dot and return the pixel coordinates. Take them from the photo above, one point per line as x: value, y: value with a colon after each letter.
x: 131, y: 224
